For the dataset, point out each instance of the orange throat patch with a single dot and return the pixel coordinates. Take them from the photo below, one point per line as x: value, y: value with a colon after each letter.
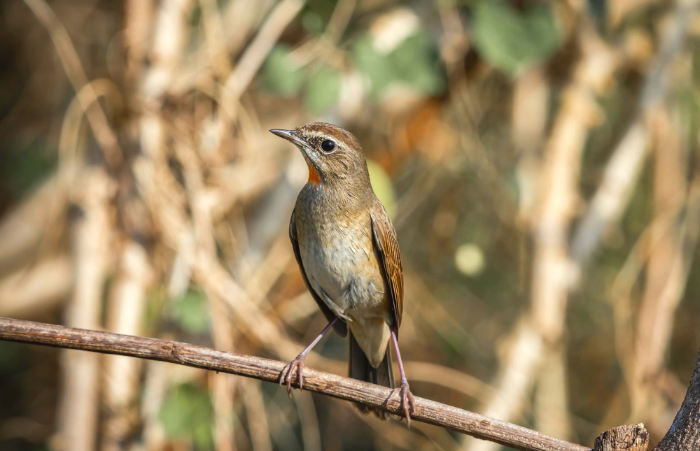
x: 314, y: 178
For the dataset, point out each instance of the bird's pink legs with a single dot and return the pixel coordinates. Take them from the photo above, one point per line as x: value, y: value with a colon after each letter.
x: 407, y: 401
x: 287, y: 371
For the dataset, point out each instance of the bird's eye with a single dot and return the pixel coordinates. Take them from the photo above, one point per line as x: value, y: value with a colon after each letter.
x: 327, y: 145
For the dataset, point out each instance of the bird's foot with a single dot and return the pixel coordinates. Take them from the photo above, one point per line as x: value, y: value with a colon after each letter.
x: 407, y: 401
x: 288, y: 371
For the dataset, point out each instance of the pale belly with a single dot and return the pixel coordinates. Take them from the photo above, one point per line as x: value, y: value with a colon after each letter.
x: 343, y: 269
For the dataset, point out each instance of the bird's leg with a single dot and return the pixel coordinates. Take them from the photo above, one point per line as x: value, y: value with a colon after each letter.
x: 407, y: 401
x: 288, y: 371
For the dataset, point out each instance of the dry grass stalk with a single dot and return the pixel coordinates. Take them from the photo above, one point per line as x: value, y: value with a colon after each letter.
x: 76, y: 74
x: 670, y: 256
x: 624, y: 166
x: 515, y: 379
x: 551, y: 404
x: 24, y: 227
x: 39, y: 288
x: 541, y: 333
x: 79, y: 405
x: 122, y: 375
x: 255, y: 410
x: 188, y: 107
x: 254, y: 55
x: 664, y: 275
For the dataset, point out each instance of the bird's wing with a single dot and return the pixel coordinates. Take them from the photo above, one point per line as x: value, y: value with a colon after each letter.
x: 339, y: 326
x: 390, y: 258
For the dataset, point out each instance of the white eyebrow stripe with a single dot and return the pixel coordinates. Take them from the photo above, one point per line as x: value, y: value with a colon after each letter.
x: 340, y: 141
x: 318, y: 135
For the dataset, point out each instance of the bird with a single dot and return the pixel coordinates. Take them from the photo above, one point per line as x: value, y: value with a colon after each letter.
x: 348, y: 253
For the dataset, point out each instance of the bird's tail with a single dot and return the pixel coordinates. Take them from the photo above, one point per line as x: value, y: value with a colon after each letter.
x: 360, y: 369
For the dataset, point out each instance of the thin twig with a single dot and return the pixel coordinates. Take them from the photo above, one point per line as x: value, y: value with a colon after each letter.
x: 624, y: 166
x: 257, y: 51
x: 76, y: 75
x: 269, y: 370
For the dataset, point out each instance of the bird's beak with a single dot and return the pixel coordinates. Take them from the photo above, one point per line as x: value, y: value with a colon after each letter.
x: 289, y: 135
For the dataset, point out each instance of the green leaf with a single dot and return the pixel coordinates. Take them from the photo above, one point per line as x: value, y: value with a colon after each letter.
x: 323, y: 89
x: 375, y: 66
x: 186, y: 414
x: 512, y: 40
x: 312, y: 22
x: 382, y: 186
x: 191, y: 312
x: 280, y: 75
x: 414, y: 63
x: 417, y: 62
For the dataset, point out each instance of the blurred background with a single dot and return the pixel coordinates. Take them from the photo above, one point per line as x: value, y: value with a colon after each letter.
x: 539, y: 160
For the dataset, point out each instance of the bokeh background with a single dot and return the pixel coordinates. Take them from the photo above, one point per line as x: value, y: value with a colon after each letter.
x: 539, y: 160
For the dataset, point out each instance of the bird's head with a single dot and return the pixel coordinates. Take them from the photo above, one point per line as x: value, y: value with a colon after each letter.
x: 333, y: 155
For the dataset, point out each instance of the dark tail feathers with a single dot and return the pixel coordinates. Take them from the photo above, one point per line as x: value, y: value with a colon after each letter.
x: 360, y: 369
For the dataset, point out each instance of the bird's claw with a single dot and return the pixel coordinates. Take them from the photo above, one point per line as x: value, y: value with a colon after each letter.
x: 288, y: 371
x: 406, y: 399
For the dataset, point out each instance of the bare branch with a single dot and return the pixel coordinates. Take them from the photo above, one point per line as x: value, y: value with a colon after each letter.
x: 268, y: 370
x: 684, y: 434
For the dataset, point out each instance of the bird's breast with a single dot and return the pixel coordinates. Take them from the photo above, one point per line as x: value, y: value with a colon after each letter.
x: 338, y: 256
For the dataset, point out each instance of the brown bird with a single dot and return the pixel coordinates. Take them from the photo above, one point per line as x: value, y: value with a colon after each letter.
x: 347, y: 251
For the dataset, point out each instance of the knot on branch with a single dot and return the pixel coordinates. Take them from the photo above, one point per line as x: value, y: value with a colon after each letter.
x: 631, y: 437
x: 175, y: 352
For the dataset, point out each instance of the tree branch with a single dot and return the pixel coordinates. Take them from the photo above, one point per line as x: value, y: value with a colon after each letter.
x: 684, y: 434
x: 268, y: 370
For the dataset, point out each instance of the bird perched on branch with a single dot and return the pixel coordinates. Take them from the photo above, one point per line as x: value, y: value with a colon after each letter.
x: 346, y: 248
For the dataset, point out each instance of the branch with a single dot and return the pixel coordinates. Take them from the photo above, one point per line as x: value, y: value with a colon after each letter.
x: 684, y: 434
x: 427, y: 411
